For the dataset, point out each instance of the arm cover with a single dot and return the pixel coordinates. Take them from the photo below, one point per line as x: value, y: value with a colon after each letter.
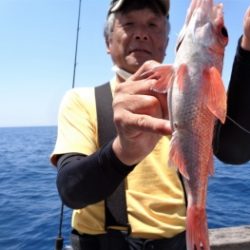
x: 84, y: 180
x: 232, y: 142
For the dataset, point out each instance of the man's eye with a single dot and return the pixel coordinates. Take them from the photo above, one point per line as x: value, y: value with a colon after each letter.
x: 153, y: 25
x: 128, y: 24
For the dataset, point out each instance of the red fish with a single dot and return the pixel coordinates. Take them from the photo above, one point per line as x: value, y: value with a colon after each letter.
x: 196, y: 98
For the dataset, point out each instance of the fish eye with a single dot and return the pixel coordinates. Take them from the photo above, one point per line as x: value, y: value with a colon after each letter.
x: 224, y: 31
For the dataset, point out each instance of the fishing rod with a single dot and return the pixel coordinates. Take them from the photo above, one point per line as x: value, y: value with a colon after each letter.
x: 59, y: 239
x: 76, y: 46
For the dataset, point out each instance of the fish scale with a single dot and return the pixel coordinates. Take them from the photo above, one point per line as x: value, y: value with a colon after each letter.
x: 196, y: 98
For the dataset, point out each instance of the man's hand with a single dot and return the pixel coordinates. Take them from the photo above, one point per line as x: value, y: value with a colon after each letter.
x: 140, y: 116
x: 245, y: 43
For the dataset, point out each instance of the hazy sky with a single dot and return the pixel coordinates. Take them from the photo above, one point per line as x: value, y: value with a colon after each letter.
x: 37, y: 46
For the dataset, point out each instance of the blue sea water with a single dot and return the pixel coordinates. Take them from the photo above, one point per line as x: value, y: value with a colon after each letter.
x: 30, y: 206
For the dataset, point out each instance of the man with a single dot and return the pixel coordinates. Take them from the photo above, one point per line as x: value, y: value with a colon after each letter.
x: 155, y: 198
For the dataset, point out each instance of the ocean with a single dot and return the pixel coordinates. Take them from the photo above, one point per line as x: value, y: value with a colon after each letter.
x: 30, y: 206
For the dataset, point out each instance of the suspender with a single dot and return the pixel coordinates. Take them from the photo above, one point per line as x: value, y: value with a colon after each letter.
x: 115, y: 204
x: 106, y: 127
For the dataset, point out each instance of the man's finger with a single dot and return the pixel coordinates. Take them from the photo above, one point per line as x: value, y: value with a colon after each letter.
x: 150, y: 124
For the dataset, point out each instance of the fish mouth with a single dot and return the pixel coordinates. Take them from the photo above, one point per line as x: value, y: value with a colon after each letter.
x: 179, y: 44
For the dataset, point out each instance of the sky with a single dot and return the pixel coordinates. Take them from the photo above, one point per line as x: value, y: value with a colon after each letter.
x: 37, y: 49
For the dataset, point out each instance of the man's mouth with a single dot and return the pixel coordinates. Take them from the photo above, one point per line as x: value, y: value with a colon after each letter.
x: 139, y: 50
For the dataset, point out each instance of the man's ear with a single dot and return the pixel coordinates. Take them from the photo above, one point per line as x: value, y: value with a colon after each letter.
x: 107, y: 42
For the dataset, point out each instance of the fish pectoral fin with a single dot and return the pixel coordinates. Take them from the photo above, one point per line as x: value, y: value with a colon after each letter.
x: 176, y: 158
x: 164, y: 75
x: 181, y: 74
x: 214, y: 93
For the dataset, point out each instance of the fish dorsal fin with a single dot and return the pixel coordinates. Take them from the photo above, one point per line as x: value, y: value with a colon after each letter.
x: 215, y: 94
x: 164, y: 75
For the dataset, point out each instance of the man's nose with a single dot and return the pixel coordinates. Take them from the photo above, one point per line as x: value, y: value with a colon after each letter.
x: 141, y: 34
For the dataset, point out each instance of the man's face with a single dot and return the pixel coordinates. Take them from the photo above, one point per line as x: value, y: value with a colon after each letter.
x: 137, y: 36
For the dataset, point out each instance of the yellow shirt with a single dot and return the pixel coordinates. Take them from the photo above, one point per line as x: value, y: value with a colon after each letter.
x: 155, y: 199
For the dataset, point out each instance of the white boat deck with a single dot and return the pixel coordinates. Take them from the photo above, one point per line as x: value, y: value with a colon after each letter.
x: 228, y: 238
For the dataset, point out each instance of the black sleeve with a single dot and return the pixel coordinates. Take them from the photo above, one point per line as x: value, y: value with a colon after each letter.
x: 84, y: 180
x: 232, y: 142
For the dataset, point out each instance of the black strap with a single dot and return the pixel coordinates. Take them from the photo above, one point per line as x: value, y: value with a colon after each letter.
x: 105, y: 125
x: 115, y: 204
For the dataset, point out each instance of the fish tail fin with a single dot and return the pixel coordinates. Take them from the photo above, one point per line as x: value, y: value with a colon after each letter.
x: 197, y: 229
x: 176, y: 158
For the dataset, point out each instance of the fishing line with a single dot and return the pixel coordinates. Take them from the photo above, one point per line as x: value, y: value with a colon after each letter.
x: 238, y: 125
